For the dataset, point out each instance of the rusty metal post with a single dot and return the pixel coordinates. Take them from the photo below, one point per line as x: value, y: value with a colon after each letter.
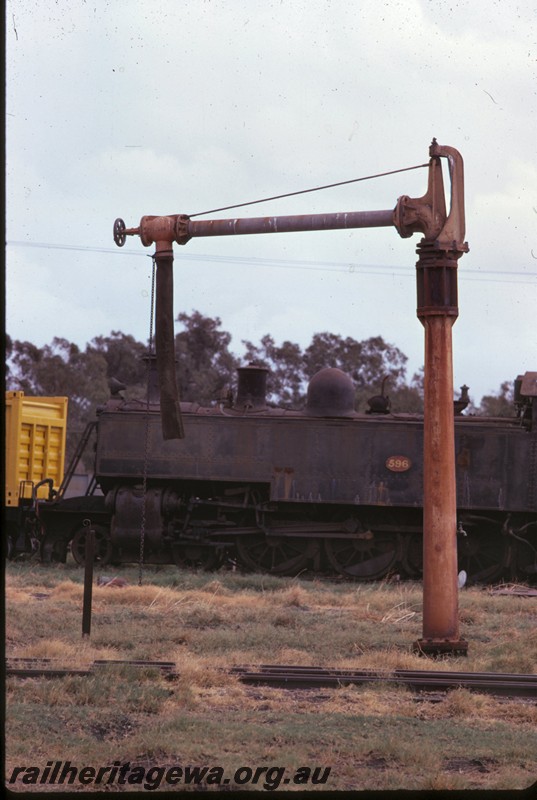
x: 437, y: 311
x: 89, y: 556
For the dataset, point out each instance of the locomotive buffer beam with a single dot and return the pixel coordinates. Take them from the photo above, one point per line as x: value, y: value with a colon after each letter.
x: 439, y: 250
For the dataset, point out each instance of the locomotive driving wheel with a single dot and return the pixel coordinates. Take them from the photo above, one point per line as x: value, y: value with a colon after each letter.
x: 525, y: 561
x: 278, y: 555
x: 103, y: 545
x: 367, y: 558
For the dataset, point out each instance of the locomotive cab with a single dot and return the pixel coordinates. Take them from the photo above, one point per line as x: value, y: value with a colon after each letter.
x: 525, y: 398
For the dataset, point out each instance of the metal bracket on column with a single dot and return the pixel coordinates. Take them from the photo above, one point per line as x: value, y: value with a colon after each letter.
x: 443, y: 242
x: 427, y: 214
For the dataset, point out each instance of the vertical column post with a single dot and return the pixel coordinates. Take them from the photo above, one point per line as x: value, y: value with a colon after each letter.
x: 89, y: 556
x: 170, y: 409
x: 437, y: 311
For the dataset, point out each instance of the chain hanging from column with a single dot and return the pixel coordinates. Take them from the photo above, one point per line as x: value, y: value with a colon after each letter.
x: 146, y: 441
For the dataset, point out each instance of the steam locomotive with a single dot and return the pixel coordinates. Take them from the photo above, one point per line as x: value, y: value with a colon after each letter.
x: 323, y: 489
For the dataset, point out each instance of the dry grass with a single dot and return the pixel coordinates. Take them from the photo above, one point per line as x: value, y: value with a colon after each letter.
x: 373, y: 737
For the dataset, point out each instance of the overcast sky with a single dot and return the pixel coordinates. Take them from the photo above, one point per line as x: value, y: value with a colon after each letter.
x: 136, y: 107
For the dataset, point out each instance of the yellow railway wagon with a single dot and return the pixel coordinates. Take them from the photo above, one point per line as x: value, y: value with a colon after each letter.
x: 35, y: 444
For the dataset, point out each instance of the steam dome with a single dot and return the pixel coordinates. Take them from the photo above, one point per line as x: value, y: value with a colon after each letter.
x: 330, y: 394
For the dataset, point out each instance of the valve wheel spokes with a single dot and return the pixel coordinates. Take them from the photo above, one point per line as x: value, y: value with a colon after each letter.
x: 119, y: 232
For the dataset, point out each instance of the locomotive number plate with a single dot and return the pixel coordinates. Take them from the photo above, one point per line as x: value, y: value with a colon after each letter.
x: 398, y: 463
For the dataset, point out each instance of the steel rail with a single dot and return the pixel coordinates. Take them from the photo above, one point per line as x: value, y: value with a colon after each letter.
x: 307, y: 677
x: 515, y: 685
x: 45, y: 667
x: 404, y: 672
x: 44, y: 672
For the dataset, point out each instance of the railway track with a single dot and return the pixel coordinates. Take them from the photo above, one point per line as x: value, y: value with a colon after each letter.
x: 515, y: 685
x: 47, y: 668
x: 299, y: 677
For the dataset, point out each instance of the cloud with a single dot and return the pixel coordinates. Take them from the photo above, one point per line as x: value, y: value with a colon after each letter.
x: 133, y: 108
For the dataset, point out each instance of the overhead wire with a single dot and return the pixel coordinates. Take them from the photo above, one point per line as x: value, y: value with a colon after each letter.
x: 302, y: 264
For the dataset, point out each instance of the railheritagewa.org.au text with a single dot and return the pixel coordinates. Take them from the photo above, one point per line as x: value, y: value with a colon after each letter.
x: 150, y: 778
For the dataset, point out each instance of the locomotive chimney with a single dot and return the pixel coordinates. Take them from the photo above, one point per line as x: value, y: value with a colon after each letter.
x: 252, y: 387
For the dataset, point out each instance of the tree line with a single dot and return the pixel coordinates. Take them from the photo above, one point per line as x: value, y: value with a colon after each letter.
x: 206, y: 368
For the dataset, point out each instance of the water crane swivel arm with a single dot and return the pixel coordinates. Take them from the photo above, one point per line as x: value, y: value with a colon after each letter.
x: 426, y: 214
x: 443, y: 233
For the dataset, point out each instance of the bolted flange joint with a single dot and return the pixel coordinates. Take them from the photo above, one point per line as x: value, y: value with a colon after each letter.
x: 440, y: 647
x: 415, y: 215
x: 182, y: 235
